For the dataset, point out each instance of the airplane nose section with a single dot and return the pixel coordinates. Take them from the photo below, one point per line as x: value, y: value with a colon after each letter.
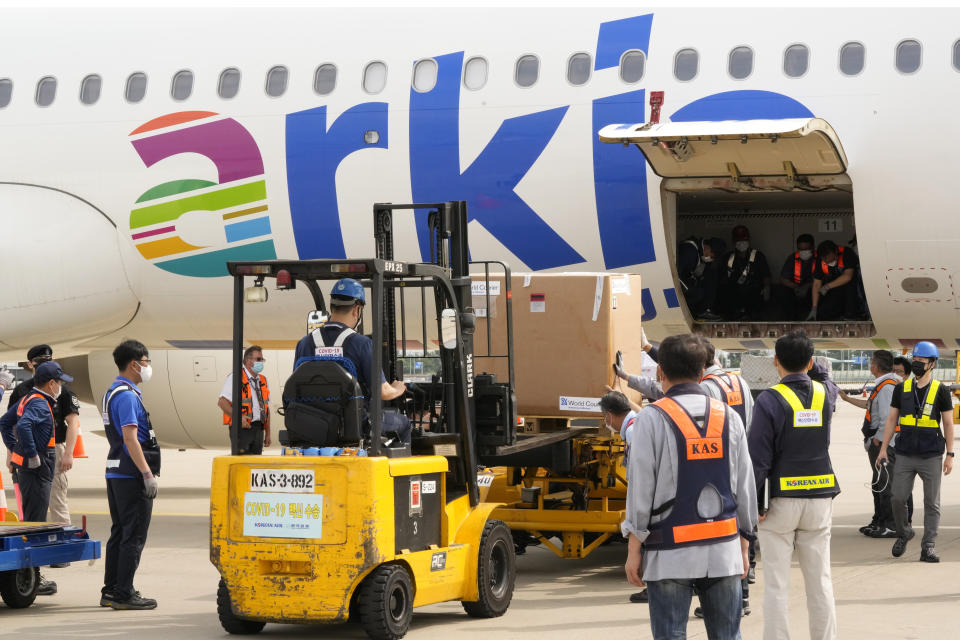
x: 62, y: 271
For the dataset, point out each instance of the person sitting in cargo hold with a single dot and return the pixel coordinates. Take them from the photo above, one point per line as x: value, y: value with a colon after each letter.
x: 834, y: 289
x: 699, y: 272
x: 745, y: 284
x: 794, y: 294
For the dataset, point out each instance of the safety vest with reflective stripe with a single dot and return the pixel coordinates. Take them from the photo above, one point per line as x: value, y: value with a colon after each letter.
x: 801, y: 465
x: 16, y: 458
x: 702, y: 459
x: 867, y: 428
x: 246, y: 402
x: 798, y: 267
x: 732, y: 392
x: 909, y: 416
x: 826, y: 268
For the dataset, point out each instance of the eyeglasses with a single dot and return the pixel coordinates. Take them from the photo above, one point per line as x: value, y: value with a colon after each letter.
x: 260, y: 359
x: 145, y: 361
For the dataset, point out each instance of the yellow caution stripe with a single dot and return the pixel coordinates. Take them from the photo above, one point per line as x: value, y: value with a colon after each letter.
x: 807, y: 482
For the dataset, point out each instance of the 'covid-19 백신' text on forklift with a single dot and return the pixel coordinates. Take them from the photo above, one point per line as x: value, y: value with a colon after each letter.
x: 349, y: 524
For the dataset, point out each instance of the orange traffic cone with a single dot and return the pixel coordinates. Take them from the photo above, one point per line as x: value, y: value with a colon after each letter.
x: 3, y: 501
x: 78, y: 451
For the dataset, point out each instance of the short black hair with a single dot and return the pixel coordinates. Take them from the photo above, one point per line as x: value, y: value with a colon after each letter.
x: 711, y: 352
x: 805, y: 238
x: 884, y: 360
x: 794, y: 351
x: 129, y: 351
x: 827, y: 247
x: 615, y: 402
x: 251, y: 349
x: 682, y: 357
x: 904, y: 362
x: 342, y: 304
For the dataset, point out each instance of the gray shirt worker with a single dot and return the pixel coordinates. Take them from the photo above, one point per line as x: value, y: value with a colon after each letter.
x: 653, y: 482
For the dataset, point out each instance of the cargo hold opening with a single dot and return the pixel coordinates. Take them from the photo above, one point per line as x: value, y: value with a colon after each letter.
x: 779, y: 179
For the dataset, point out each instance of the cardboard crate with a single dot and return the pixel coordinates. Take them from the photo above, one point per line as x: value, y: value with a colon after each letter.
x: 567, y: 330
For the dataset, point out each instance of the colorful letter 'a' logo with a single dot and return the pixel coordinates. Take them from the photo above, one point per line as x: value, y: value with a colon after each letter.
x: 193, y: 227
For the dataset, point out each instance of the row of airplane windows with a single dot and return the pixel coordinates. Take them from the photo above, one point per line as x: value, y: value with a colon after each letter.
x: 686, y: 64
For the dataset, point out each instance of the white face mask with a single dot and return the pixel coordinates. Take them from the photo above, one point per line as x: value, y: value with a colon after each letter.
x: 805, y: 254
x: 742, y: 246
x: 832, y: 264
x: 146, y: 372
x: 708, y: 259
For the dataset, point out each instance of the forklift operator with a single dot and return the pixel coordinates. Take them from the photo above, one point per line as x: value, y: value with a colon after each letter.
x: 339, y: 338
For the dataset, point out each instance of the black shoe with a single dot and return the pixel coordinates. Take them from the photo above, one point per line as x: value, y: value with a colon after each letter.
x: 867, y: 530
x: 929, y: 554
x: 883, y: 532
x: 751, y: 575
x: 746, y: 607
x: 47, y: 587
x: 698, y: 612
x: 640, y: 596
x: 901, y: 545
x: 135, y: 601
x: 60, y: 565
x: 106, y: 599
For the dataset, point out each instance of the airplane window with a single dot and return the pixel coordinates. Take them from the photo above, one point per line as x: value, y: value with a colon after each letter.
x: 685, y: 64
x: 6, y: 92
x: 578, y: 69
x: 909, y: 53
x: 228, y: 86
x: 136, y: 87
x: 795, y: 60
x: 375, y: 77
x: 425, y: 75
x: 90, y: 89
x: 46, y: 91
x: 276, y: 81
x: 325, y: 79
x: 740, y: 64
x: 632, y: 66
x: 956, y: 55
x: 527, y: 72
x: 182, y: 85
x: 475, y: 73
x: 852, y: 57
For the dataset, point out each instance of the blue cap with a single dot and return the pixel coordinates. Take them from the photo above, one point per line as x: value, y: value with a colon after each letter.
x: 50, y: 371
x: 925, y: 349
x: 348, y: 288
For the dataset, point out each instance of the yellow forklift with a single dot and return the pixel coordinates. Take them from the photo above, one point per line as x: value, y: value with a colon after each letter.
x: 350, y: 524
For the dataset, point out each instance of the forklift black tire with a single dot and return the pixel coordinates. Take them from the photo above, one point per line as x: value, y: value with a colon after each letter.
x: 229, y: 620
x: 18, y: 587
x: 496, y: 572
x: 385, y: 602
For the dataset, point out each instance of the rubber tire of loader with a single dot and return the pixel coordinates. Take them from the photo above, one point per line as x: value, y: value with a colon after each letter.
x: 385, y: 602
x: 18, y: 587
x: 496, y: 572
x: 229, y: 620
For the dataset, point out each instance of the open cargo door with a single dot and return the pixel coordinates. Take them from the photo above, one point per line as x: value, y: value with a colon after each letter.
x: 797, y: 147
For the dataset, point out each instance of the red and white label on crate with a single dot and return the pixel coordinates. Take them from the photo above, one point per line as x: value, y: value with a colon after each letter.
x: 538, y: 303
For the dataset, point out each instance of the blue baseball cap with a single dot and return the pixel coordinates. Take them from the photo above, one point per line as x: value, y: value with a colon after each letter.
x: 50, y: 371
x: 348, y: 288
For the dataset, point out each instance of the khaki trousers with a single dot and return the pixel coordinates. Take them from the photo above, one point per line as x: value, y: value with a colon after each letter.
x: 804, y: 524
x: 59, y: 509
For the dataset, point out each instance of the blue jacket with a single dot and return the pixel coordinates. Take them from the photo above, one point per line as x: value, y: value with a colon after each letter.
x: 32, y: 430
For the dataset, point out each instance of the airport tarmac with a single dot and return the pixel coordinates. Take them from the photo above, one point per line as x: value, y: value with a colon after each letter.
x: 877, y: 596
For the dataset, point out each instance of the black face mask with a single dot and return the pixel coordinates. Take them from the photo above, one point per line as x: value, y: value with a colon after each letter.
x: 918, y: 368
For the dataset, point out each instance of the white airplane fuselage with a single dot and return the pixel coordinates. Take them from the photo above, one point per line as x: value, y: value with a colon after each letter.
x: 118, y: 216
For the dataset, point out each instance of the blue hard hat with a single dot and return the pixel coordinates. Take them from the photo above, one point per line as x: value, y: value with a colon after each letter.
x: 348, y: 288
x: 925, y: 349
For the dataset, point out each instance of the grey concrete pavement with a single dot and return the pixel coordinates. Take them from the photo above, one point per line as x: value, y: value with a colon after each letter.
x: 878, y: 597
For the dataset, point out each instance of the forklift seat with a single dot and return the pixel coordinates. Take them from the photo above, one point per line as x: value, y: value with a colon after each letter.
x: 322, y: 405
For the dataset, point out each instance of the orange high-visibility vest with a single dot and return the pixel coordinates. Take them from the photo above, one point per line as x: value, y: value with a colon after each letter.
x: 16, y: 458
x: 246, y: 402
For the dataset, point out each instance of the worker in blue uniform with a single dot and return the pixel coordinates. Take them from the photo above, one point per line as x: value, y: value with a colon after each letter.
x: 133, y: 464
x: 338, y: 338
x: 28, y: 432
x: 917, y: 409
